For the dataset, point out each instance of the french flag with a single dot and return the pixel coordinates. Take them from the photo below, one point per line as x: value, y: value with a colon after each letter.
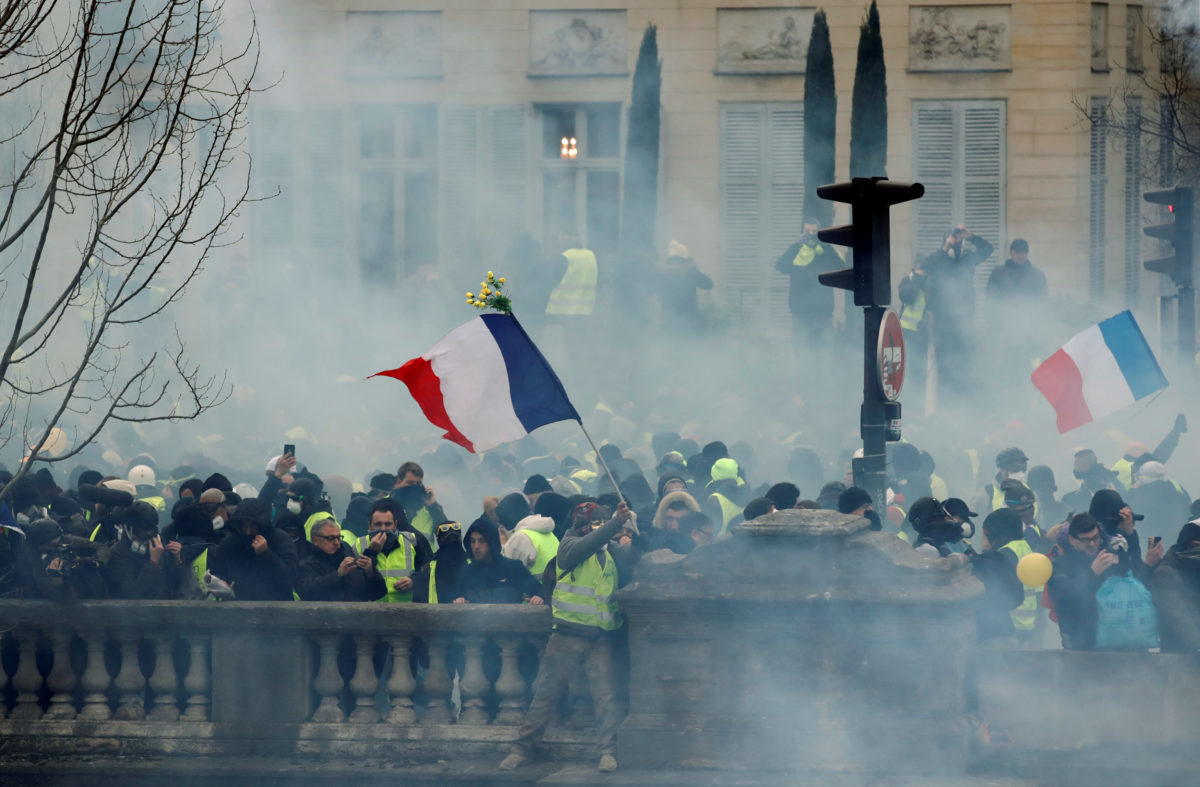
x: 486, y: 383
x: 1099, y: 371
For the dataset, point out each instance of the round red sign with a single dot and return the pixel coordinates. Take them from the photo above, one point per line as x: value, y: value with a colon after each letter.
x: 889, y: 356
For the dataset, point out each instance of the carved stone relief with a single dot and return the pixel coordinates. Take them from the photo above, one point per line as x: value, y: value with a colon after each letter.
x: 960, y: 38
x: 394, y: 43
x: 577, y: 43
x: 763, y: 40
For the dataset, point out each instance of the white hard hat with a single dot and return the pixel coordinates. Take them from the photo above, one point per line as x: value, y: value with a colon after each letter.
x: 142, y: 475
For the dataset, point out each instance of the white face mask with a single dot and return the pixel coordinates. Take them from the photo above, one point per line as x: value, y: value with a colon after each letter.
x: 293, y: 506
x: 1018, y: 476
x: 218, y: 523
x: 139, y: 547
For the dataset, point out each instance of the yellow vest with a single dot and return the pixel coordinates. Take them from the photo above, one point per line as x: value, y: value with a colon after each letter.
x: 576, y: 293
x: 729, y: 510
x: 156, y: 502
x: 423, y: 524
x: 584, y: 596
x: 1124, y: 470
x: 912, y: 313
x: 546, y: 545
x: 401, y: 562
x: 1023, y: 617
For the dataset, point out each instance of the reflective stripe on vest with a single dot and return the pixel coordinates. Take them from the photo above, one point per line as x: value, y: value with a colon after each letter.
x: 397, y: 564
x: 546, y: 545
x: 729, y: 510
x: 199, y: 566
x: 1023, y: 617
x: 433, y: 582
x: 576, y: 293
x: 584, y: 596
x: 912, y: 314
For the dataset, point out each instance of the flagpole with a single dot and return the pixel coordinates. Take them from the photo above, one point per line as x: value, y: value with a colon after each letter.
x: 603, y: 464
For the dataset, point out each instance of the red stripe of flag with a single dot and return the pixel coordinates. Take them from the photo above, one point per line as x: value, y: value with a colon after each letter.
x: 1059, y: 380
x: 426, y: 388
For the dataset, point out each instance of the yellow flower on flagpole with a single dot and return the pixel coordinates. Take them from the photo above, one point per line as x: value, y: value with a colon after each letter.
x: 491, y: 295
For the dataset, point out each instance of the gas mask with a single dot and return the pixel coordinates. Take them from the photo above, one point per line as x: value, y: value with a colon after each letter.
x: 294, y: 506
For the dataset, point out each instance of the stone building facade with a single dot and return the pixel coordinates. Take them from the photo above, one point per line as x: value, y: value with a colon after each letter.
x: 407, y: 134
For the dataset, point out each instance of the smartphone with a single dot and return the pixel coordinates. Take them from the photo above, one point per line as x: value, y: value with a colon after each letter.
x: 289, y: 448
x: 1154, y: 541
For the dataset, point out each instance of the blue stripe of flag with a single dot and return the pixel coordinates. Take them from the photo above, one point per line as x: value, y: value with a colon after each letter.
x: 538, y: 397
x: 1134, y: 356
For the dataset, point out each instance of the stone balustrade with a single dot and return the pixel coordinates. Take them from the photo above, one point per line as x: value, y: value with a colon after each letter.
x: 297, y: 678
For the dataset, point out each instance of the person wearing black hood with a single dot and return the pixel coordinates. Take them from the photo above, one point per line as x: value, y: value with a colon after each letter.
x: 556, y: 507
x: 1117, y: 522
x: 491, y: 578
x: 141, y: 566
x: 446, y: 566
x: 257, y: 559
x: 196, y: 533
x: 333, y: 571
x: 1175, y: 585
x: 938, y: 533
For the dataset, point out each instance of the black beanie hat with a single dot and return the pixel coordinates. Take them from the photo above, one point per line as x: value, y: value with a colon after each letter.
x: 218, y: 481
x: 141, y: 516
x: 536, y: 483
x: 853, y: 499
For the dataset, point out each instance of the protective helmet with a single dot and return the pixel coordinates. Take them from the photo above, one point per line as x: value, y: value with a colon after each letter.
x: 141, y: 475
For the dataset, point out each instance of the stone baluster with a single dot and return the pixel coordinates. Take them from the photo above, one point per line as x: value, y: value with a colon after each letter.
x: 510, y: 686
x: 61, y: 680
x: 95, y: 679
x: 365, y: 682
x: 27, y: 680
x: 401, y: 684
x: 130, y: 683
x: 329, y: 683
x: 197, y: 684
x: 163, y: 682
x: 438, y: 684
x: 474, y: 684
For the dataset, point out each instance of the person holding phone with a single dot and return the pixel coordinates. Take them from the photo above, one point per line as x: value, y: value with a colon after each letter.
x: 1175, y: 585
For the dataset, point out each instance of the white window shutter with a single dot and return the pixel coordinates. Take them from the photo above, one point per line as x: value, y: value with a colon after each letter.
x: 458, y: 172
x: 274, y: 167
x: 983, y: 179
x: 785, y: 165
x: 326, y: 197
x: 742, y: 206
x: 509, y: 182
x: 933, y: 166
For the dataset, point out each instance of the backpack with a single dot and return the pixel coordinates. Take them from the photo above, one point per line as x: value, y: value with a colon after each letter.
x: 1126, y: 616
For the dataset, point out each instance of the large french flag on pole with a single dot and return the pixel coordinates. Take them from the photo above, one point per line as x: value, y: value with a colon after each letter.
x: 486, y: 383
x: 1099, y: 371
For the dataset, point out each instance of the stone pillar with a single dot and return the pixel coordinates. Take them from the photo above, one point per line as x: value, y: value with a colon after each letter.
x: 163, y: 683
x: 474, y: 685
x: 365, y: 682
x: 329, y: 683
x: 401, y: 683
x: 438, y: 683
x: 61, y: 680
x: 95, y: 679
x: 27, y: 680
x: 198, y: 682
x: 509, y: 686
x: 129, y: 681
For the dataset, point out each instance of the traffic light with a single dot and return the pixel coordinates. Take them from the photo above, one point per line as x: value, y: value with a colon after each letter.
x: 1178, y: 231
x: 868, y: 234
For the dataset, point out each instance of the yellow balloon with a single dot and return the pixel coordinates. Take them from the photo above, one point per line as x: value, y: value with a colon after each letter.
x: 1034, y: 570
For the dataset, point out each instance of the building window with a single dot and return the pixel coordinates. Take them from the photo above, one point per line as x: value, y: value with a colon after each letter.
x: 581, y: 175
x: 1099, y: 36
x: 762, y: 199
x: 397, y: 189
x: 1134, y: 33
x: 959, y: 155
x: 1133, y: 197
x: 1098, y: 188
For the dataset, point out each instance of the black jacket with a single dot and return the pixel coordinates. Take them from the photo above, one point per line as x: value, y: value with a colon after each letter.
x: 1072, y: 589
x: 320, y: 581
x: 496, y: 579
x: 266, y: 577
x: 1002, y: 592
x: 1016, y: 280
x: 807, y: 297
x: 1175, y: 584
x: 133, y: 576
x: 950, y: 287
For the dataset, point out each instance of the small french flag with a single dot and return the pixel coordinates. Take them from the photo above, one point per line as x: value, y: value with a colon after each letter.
x: 486, y: 383
x: 1099, y: 371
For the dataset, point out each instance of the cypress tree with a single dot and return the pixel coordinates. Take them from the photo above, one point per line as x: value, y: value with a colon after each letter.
x: 639, y: 203
x: 868, y: 108
x: 820, y: 121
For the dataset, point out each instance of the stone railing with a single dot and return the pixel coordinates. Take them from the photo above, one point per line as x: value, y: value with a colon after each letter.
x: 287, y: 679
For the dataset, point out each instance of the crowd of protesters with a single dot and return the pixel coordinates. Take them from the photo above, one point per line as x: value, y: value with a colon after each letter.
x: 555, y: 530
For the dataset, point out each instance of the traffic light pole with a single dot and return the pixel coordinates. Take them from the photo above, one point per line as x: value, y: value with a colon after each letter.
x: 1185, y: 317
x: 1180, y: 233
x: 869, y: 235
x: 871, y: 472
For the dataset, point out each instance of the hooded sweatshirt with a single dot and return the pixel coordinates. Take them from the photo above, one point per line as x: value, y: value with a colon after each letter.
x: 266, y: 577
x: 495, y: 579
x: 521, y: 547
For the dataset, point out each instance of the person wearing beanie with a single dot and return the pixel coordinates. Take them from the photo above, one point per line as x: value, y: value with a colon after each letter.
x: 257, y: 558
x: 1175, y: 585
x: 194, y: 530
x: 937, y: 531
x: 1004, y: 534
x: 533, y: 543
x: 218, y: 481
x: 856, y: 502
x: 1021, y: 499
x: 558, y: 508
x: 1164, y: 502
x: 1010, y: 463
x: 727, y: 493
x: 490, y: 577
x: 1080, y: 567
x: 535, y: 485
x: 759, y: 506
x: 446, y: 567
x: 511, y: 509
x: 1016, y: 283
x: 142, y: 566
x: 1117, y: 522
